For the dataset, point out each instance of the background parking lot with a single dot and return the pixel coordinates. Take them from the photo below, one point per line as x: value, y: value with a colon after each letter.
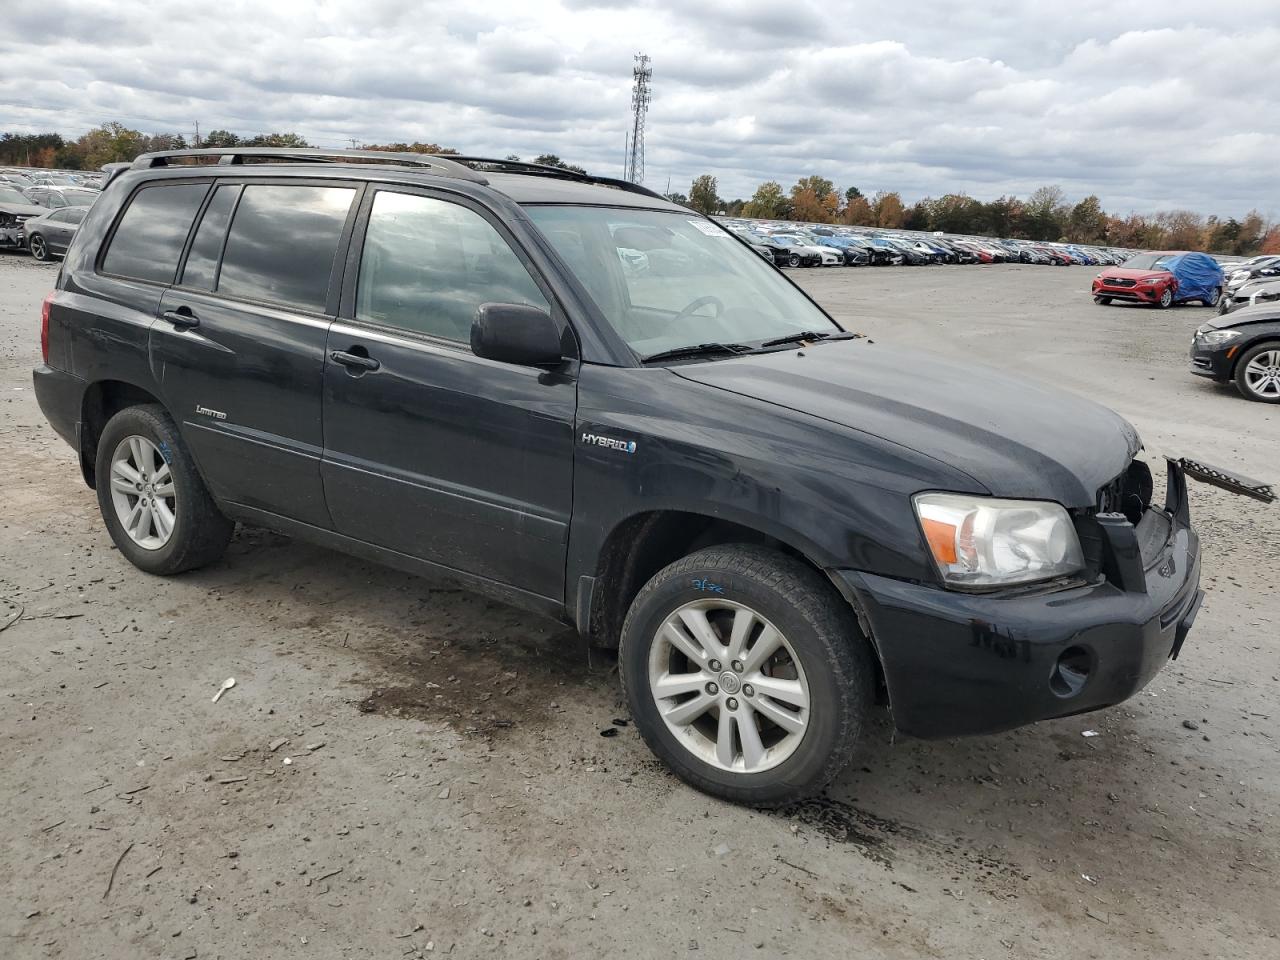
x: 405, y: 769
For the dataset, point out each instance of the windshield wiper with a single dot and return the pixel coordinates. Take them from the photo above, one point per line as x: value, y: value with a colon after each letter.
x: 697, y: 350
x: 807, y: 335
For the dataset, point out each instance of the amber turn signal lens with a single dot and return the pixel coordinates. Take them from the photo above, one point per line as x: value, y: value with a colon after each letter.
x: 941, y: 538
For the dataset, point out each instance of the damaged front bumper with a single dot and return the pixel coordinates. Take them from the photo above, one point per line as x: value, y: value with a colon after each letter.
x: 13, y: 237
x: 958, y: 663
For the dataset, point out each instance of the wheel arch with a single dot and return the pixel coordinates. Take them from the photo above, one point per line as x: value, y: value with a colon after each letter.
x: 642, y: 544
x: 102, y: 400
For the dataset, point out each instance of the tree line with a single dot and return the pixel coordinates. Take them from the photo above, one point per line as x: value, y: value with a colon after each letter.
x: 1046, y: 214
x: 115, y: 143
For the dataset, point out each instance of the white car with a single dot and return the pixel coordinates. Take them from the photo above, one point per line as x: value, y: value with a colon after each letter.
x: 829, y: 256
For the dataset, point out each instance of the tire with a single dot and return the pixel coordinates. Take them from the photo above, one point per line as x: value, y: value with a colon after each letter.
x: 39, y: 248
x: 198, y: 533
x: 793, y: 260
x: 1212, y: 301
x: 1105, y: 301
x: 823, y: 658
x: 1166, y: 299
x: 1264, y: 388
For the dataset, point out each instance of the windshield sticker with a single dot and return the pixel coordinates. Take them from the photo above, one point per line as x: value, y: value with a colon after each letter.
x: 710, y: 229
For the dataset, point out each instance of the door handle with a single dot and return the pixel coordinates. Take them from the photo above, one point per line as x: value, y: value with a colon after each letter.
x: 182, y: 318
x: 354, y: 361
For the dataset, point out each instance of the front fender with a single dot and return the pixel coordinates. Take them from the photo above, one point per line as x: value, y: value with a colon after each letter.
x: 648, y: 440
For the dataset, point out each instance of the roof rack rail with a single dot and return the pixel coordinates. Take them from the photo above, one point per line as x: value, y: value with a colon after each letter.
x: 546, y: 170
x: 238, y: 155
x: 451, y: 165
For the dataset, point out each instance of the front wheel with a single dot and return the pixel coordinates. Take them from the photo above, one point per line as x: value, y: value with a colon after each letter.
x: 1258, y: 373
x: 793, y: 260
x: 153, y: 500
x: 1166, y: 298
x: 39, y: 248
x: 1105, y: 301
x: 746, y: 674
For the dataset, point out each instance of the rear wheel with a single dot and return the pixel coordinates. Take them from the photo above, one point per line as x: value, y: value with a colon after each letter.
x: 39, y: 248
x: 155, y: 504
x: 1258, y: 373
x: 1213, y: 298
x: 746, y: 674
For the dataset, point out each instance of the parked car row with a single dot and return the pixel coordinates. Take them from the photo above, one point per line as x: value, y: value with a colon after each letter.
x: 40, y: 210
x: 790, y: 244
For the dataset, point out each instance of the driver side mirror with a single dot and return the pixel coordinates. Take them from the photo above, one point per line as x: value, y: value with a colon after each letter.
x: 516, y: 333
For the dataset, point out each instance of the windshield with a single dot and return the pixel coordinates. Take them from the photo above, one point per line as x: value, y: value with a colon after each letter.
x: 666, y: 280
x: 10, y: 195
x: 1147, y: 261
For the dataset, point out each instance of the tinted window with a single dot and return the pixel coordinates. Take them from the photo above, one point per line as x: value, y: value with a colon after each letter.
x: 282, y: 243
x: 202, y: 261
x: 74, y: 214
x: 428, y: 264
x: 149, y: 240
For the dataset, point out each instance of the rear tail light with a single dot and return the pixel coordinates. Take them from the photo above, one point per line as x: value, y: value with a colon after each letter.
x: 44, y: 329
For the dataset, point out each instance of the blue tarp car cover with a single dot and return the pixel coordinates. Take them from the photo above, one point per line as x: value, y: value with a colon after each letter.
x: 1198, y: 275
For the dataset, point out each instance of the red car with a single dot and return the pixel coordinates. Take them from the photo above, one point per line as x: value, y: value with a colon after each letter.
x: 1162, y: 279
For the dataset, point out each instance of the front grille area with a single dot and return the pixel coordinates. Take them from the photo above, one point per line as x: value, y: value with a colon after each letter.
x: 1119, y: 282
x: 1129, y: 493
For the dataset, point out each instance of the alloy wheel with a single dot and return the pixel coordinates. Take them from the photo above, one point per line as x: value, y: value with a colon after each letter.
x: 1262, y: 374
x: 142, y: 492
x: 729, y: 686
x: 37, y: 246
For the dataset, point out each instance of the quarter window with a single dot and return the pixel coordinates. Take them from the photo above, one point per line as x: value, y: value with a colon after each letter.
x: 428, y: 264
x: 149, y: 239
x: 282, y: 243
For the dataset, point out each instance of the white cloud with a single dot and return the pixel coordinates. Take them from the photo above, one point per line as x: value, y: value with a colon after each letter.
x: 1147, y: 106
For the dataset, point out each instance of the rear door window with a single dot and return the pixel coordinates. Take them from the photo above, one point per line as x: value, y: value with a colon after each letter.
x: 149, y: 239
x: 282, y: 244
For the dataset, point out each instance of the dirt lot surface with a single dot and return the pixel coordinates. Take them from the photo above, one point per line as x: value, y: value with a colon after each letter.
x: 406, y: 770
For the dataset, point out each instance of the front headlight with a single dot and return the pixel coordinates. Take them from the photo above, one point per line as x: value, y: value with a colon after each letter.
x: 980, y: 542
x: 1213, y: 338
x: 1152, y: 280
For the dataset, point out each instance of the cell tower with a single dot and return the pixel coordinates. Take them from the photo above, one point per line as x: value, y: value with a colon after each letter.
x: 642, y: 73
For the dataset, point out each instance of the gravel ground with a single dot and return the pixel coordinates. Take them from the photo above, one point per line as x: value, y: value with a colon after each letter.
x: 403, y: 769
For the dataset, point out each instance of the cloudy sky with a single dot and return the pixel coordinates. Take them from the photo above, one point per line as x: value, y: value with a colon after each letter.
x: 1149, y: 105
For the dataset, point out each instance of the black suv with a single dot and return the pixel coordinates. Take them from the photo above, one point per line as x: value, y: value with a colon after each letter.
x: 583, y: 399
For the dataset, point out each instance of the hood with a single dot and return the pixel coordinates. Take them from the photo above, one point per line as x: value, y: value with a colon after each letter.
x: 1258, y: 313
x: 1125, y: 273
x: 1013, y: 437
x: 23, y: 209
x: 1257, y: 285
